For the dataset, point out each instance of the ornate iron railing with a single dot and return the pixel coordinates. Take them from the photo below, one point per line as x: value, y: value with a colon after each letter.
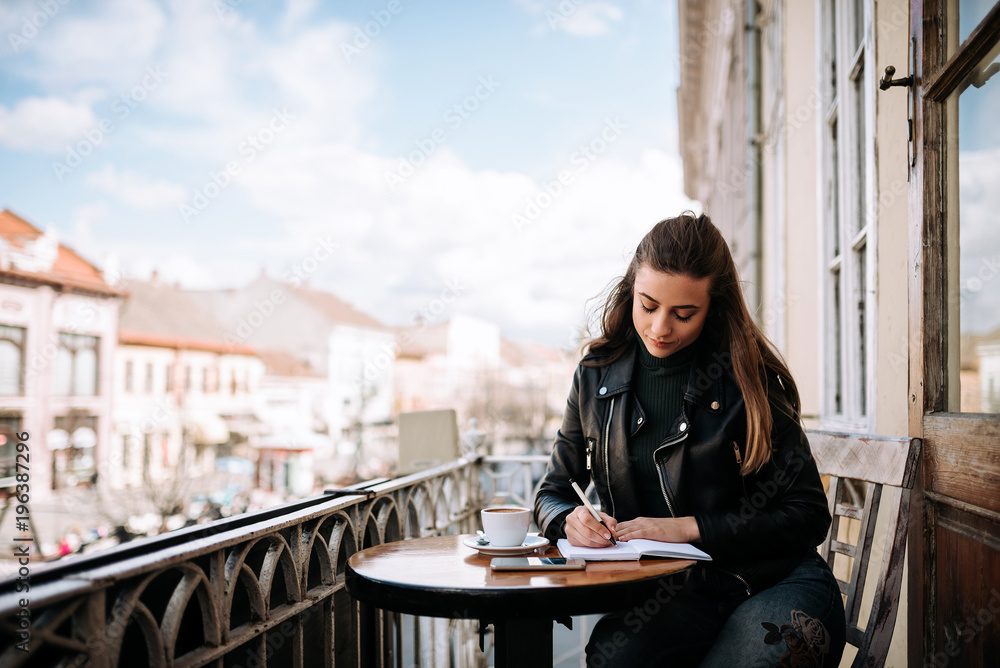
x: 261, y: 589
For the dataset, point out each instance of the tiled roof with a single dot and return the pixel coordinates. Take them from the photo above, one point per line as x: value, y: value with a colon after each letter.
x: 421, y: 340
x: 336, y: 309
x: 332, y: 308
x: 282, y: 363
x: 68, y: 269
x: 160, y: 314
x: 128, y: 337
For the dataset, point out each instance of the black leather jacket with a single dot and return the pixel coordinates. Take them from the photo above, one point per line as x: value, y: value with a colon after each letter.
x: 756, y: 527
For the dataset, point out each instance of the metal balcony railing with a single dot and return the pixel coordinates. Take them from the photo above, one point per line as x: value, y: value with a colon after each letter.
x: 263, y: 589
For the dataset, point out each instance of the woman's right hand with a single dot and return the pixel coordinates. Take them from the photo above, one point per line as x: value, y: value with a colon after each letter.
x: 583, y: 530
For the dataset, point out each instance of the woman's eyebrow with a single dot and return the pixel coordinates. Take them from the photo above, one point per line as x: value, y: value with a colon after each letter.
x: 676, y: 307
x: 649, y: 298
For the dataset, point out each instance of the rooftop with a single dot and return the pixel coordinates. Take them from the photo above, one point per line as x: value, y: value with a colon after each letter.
x: 28, y: 253
x: 162, y: 315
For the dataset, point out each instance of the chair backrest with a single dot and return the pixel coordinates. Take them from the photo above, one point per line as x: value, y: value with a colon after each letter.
x: 877, y: 461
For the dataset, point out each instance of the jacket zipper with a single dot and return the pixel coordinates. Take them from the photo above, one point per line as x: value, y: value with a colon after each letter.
x: 590, y: 450
x: 736, y: 450
x: 740, y: 578
x: 607, y: 446
x: 663, y: 487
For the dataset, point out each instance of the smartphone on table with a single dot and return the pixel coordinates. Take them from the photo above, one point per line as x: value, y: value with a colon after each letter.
x: 536, y: 564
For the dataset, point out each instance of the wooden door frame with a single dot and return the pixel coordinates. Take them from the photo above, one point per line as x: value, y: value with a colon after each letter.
x: 949, y: 489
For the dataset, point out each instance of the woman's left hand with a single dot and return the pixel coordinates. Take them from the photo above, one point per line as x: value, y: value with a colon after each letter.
x: 666, y: 529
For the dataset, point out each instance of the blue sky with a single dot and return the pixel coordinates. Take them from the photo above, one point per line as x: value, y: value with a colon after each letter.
x: 424, y: 141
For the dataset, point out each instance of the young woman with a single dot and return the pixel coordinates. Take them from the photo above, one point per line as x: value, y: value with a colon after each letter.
x: 688, y: 424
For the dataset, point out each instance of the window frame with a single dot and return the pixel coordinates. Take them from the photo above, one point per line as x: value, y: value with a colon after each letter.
x: 129, y: 376
x: 848, y: 220
x: 21, y: 346
x: 75, y: 338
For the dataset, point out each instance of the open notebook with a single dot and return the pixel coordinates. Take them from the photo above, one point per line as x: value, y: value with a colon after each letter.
x: 633, y: 549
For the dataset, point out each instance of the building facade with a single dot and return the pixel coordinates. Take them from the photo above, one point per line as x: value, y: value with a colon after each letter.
x: 184, y: 396
x: 514, y: 391
x: 58, y: 332
x: 331, y: 339
x: 860, y: 202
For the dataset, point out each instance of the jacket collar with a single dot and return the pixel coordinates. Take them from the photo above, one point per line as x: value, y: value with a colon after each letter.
x: 705, y: 386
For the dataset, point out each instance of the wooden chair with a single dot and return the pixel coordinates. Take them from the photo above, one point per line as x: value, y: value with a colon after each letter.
x: 878, y: 461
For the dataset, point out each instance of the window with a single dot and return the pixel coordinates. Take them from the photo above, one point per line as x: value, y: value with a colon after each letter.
x: 10, y: 427
x: 974, y: 153
x: 210, y: 380
x: 148, y: 386
x: 129, y: 376
x: 168, y: 374
x: 126, y: 447
x: 11, y: 361
x: 73, y: 462
x: 187, y: 378
x: 147, y: 458
x: 76, y: 365
x: 847, y: 177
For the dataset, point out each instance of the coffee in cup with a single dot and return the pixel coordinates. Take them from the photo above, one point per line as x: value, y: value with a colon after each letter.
x: 505, y: 526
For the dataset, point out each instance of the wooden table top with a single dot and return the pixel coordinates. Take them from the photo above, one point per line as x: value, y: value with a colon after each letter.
x: 439, y: 576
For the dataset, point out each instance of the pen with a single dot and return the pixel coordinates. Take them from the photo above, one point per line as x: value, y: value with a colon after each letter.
x: 593, y: 511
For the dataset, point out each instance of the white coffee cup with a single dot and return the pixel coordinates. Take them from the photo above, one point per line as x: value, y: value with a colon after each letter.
x: 505, y: 526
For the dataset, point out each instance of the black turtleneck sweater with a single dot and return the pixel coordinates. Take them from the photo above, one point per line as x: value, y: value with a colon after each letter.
x: 658, y: 385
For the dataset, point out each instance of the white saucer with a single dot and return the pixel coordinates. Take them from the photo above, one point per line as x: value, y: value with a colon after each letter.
x: 530, y: 544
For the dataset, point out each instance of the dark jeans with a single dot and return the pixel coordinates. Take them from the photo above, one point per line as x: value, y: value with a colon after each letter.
x: 711, y: 622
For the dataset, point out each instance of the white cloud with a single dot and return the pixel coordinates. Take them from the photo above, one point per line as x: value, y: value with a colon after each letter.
x: 175, y: 265
x: 44, y: 123
x: 979, y: 173
x: 296, y: 11
x: 223, y: 74
x: 135, y: 189
x: 449, y: 222
x: 575, y: 17
x: 108, y: 45
x: 590, y: 19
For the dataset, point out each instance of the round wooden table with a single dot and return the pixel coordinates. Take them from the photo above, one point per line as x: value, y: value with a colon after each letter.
x: 438, y: 576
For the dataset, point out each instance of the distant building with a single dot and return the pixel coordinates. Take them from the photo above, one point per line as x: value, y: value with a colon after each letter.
x: 58, y: 331
x: 294, y: 400
x: 451, y: 364
x: 513, y: 390
x: 988, y: 354
x: 307, y: 335
x: 185, y: 396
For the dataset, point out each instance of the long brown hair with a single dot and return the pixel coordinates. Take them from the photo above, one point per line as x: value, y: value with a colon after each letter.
x: 692, y: 246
